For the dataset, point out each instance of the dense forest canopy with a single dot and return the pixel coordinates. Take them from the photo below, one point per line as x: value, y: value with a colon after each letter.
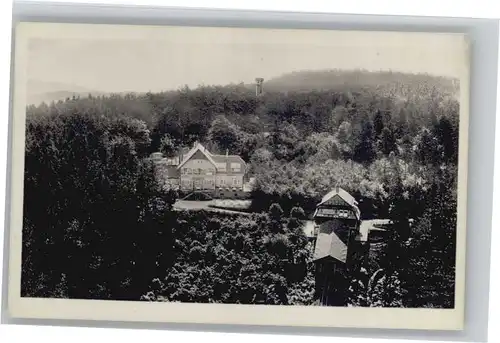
x: 389, y: 139
x: 348, y: 80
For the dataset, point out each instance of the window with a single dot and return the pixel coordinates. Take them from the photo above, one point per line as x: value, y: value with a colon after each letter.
x: 196, y: 171
x: 344, y: 214
x: 235, y: 167
x: 221, y: 167
x: 184, y: 170
x: 188, y: 170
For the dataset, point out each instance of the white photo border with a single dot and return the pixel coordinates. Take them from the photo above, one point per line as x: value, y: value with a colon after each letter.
x: 300, y: 316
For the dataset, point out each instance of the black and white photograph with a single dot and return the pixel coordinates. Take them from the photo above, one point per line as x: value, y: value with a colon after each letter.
x: 253, y: 168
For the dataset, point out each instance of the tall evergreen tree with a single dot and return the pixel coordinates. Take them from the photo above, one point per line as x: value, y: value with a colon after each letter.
x: 447, y: 136
x: 364, y: 151
x: 388, y: 141
x: 378, y: 123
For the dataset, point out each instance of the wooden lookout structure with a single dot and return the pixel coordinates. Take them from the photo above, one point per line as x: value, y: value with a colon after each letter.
x: 258, y: 86
x: 338, y: 248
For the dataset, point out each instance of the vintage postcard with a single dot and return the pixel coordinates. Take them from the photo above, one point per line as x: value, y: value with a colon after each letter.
x: 216, y: 175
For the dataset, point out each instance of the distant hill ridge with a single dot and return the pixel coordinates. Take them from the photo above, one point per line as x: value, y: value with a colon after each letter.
x: 43, y: 91
x: 299, y: 81
x: 345, y: 80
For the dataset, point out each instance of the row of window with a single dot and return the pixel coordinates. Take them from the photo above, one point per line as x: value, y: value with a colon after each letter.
x: 209, y: 171
x: 204, y: 182
x: 336, y: 213
x: 210, y: 182
x: 235, y: 182
x: 198, y: 171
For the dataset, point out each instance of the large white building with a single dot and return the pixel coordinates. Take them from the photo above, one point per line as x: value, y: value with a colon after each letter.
x: 199, y: 169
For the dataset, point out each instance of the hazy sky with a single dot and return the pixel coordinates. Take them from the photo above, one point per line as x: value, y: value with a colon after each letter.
x: 165, y: 58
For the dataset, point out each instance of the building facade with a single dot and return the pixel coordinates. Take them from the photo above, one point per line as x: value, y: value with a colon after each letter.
x: 199, y: 169
x: 337, y: 248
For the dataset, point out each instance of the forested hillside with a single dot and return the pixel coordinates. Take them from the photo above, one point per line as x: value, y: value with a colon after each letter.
x: 90, y: 188
x: 385, y: 82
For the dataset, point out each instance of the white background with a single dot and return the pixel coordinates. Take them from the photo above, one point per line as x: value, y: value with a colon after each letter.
x: 445, y: 8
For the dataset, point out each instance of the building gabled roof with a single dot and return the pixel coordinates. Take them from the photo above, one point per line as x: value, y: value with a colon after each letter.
x: 343, y: 194
x: 228, y: 158
x: 196, y: 148
x: 330, y: 245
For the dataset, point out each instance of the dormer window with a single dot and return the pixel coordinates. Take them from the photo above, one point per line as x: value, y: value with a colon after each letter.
x: 235, y: 167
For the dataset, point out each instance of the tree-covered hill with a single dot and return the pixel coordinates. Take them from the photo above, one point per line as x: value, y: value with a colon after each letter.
x: 353, y: 80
